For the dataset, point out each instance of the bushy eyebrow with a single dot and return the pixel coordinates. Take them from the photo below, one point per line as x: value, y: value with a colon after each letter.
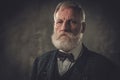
x: 73, y: 19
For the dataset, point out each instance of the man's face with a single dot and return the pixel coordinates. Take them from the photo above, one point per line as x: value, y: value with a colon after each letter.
x: 67, y: 28
x: 68, y: 21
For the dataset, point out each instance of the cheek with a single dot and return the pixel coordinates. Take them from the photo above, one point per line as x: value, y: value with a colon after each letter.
x: 56, y: 29
x: 76, y: 30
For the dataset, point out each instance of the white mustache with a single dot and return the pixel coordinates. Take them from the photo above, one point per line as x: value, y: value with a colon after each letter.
x: 64, y: 34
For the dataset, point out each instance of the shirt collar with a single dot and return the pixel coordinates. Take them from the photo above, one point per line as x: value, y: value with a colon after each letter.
x: 76, y: 51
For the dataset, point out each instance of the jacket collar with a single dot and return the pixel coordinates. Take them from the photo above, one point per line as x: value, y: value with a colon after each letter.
x: 79, y: 66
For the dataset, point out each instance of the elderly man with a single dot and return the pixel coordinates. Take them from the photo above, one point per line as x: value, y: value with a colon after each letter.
x: 72, y: 60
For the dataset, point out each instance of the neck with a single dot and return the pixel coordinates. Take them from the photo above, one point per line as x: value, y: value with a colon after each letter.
x: 75, y: 51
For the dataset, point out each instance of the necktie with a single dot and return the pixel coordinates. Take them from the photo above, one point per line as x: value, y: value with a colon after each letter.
x: 62, y: 56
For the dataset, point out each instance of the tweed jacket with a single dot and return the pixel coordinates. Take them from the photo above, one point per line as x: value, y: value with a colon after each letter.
x: 89, y: 66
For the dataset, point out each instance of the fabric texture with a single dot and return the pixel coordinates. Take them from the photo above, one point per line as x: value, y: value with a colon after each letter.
x: 89, y: 66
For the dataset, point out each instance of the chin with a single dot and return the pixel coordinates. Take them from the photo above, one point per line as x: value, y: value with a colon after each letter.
x: 64, y: 43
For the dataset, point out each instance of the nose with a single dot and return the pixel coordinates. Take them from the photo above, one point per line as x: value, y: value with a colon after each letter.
x: 65, y: 26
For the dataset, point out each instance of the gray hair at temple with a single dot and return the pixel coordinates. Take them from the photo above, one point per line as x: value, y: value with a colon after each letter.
x: 71, y: 4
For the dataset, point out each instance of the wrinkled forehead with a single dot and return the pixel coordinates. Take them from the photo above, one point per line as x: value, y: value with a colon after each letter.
x: 74, y: 9
x: 73, y: 5
x: 67, y: 12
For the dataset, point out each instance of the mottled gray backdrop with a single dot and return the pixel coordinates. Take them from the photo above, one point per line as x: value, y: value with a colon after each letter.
x: 26, y: 28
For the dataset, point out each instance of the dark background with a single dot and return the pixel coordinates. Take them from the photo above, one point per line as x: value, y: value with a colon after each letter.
x: 26, y: 28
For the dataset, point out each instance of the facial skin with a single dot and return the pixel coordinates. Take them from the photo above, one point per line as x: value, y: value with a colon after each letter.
x: 67, y: 29
x: 66, y: 20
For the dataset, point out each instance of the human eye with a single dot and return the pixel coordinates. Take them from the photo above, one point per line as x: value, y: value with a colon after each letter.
x: 73, y: 22
x: 59, y: 21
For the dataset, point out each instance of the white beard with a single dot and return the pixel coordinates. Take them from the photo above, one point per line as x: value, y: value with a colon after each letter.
x: 66, y: 41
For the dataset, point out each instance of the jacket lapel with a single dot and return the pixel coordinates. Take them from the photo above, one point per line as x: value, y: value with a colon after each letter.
x: 51, y: 66
x: 80, y: 66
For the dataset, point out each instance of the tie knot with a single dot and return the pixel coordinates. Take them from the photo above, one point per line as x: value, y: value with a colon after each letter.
x: 62, y: 56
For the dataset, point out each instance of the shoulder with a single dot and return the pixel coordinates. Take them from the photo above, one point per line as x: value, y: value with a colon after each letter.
x: 45, y: 57
x: 47, y: 54
x: 41, y: 61
x: 96, y: 57
x: 101, y: 62
x: 102, y: 65
x: 98, y: 60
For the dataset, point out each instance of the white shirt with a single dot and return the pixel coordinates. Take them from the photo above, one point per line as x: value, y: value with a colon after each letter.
x: 66, y: 64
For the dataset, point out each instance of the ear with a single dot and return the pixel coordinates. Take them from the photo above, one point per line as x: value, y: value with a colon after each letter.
x: 83, y: 27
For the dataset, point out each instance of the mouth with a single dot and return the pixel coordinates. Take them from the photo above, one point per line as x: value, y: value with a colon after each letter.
x: 62, y: 36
